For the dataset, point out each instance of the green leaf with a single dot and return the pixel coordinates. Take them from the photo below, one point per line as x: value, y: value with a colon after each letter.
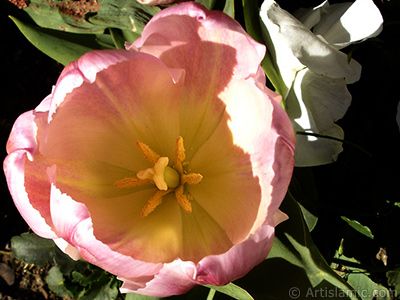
x: 69, y: 16
x: 366, y: 288
x: 303, y: 190
x: 295, y: 268
x: 232, y: 290
x: 253, y: 27
x: 118, y: 38
x: 67, y: 264
x: 358, y: 278
x: 133, y: 296
x: 211, y: 294
x: 209, y: 4
x: 123, y: 14
x: 229, y: 8
x: 55, y: 281
x: 360, y: 228
x: 33, y: 249
x: 102, y: 290
x: 61, y: 46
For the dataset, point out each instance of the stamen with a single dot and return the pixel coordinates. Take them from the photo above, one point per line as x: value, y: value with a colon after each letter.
x: 153, y: 202
x: 148, y: 154
x: 129, y: 182
x: 166, y: 179
x: 192, y: 178
x: 183, y: 199
x: 179, y: 154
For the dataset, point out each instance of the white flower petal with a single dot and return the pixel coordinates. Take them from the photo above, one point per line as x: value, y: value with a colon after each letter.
x: 314, y: 104
x: 312, y: 151
x: 288, y: 32
x: 311, y: 16
x: 346, y: 23
x: 287, y: 64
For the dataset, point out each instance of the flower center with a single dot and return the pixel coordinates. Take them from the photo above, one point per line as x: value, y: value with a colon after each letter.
x: 161, y: 174
x: 167, y: 179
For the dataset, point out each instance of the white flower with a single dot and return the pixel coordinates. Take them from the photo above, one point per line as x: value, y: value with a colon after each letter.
x: 314, y: 72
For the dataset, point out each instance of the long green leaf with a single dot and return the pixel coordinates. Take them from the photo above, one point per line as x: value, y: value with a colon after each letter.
x: 295, y: 269
x: 232, y: 290
x: 359, y: 227
x: 61, y: 46
x: 253, y: 27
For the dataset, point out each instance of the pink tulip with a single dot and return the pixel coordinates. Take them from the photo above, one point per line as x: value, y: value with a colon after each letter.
x: 164, y: 164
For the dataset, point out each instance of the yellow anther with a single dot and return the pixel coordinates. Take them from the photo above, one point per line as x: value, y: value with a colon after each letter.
x: 153, y: 202
x: 129, y: 182
x: 148, y: 154
x: 192, y: 178
x: 179, y: 155
x: 183, y: 199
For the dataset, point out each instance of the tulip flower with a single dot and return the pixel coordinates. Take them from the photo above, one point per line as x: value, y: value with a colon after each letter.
x: 314, y: 72
x: 164, y: 164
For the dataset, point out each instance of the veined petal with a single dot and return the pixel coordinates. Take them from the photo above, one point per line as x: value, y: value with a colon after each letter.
x: 238, y: 187
x: 249, y: 120
x: 324, y: 151
x: 24, y: 182
x: 314, y: 105
x: 221, y: 37
x: 74, y: 224
x: 35, y: 212
x: 103, y: 120
x: 84, y: 69
x: 316, y: 101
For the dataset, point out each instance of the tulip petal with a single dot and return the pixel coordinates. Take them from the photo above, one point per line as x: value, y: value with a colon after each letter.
x: 311, y: 51
x: 84, y: 69
x: 23, y: 181
x: 106, y: 125
x: 178, y: 47
x: 174, y: 278
x: 346, y: 23
x: 73, y: 223
x: 314, y: 105
x: 234, y: 167
x: 34, y: 211
x: 311, y: 16
x: 222, y: 269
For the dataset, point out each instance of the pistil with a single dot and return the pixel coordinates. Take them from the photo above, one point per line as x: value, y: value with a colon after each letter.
x: 166, y: 178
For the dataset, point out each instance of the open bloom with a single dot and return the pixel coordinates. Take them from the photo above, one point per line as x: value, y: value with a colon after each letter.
x: 164, y: 164
x: 314, y: 72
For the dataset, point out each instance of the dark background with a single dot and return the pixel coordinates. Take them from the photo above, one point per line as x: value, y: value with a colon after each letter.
x: 358, y: 186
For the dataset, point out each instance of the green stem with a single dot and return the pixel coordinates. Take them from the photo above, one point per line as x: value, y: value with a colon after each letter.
x: 335, y: 139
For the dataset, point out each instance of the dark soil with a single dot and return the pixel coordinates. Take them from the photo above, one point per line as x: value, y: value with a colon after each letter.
x: 28, y: 76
